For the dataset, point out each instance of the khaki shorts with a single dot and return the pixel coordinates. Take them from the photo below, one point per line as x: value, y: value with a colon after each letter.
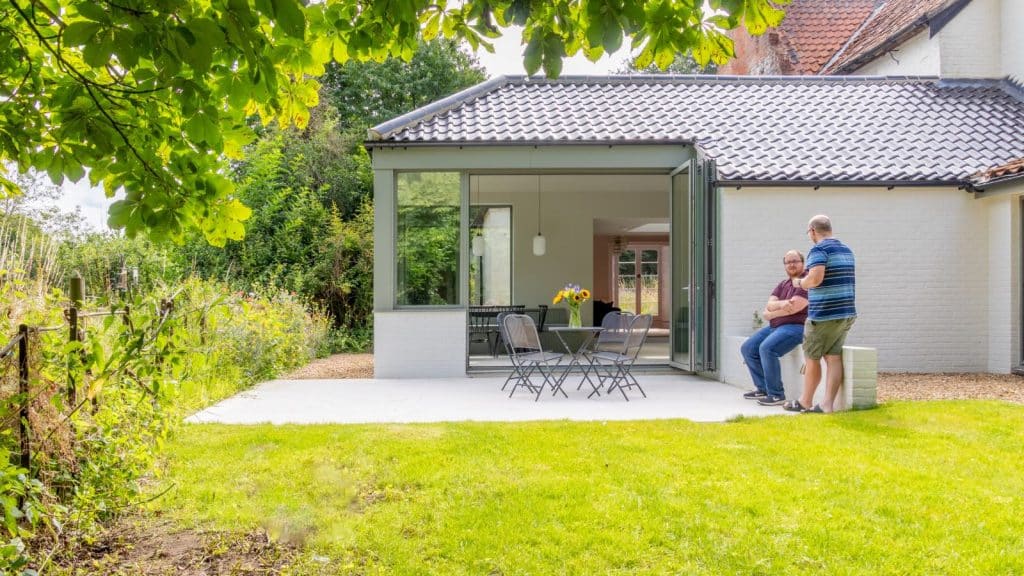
x: 825, y: 337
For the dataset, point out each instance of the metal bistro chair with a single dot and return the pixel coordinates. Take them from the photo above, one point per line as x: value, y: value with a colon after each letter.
x: 617, y: 365
x: 528, y: 358
x: 614, y: 330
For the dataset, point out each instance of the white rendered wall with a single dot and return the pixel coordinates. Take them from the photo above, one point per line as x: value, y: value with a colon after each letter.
x: 922, y: 267
x: 419, y: 343
x: 569, y: 204
x: 981, y: 41
x: 1004, y: 279
x: 918, y: 56
x: 1012, y: 45
x: 971, y: 42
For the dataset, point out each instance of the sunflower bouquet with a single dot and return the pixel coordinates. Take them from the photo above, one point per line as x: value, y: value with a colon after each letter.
x: 573, y: 296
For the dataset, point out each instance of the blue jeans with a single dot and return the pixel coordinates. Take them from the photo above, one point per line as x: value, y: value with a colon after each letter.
x: 762, y: 351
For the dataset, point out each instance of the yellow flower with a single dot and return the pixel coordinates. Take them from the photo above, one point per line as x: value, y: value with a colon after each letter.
x: 557, y: 299
x: 577, y: 298
x: 585, y: 293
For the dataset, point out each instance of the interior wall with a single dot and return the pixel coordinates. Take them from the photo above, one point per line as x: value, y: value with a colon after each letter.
x: 568, y: 206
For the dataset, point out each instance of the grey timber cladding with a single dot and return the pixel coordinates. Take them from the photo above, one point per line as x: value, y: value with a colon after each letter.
x: 828, y: 129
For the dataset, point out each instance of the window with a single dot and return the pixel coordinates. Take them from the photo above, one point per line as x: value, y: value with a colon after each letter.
x: 427, y: 243
x: 490, y: 273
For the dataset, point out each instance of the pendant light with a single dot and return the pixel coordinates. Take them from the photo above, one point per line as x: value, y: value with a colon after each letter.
x: 477, y: 244
x: 540, y: 244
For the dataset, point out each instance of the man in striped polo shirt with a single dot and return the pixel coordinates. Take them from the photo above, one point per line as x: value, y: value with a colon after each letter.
x: 830, y: 283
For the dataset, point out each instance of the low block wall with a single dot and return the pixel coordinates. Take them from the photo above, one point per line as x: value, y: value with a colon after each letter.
x: 860, y: 374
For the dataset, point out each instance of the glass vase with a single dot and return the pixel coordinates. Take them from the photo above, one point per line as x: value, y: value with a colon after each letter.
x: 574, y: 317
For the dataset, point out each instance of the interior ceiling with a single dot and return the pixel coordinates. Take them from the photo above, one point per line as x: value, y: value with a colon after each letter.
x: 631, y: 226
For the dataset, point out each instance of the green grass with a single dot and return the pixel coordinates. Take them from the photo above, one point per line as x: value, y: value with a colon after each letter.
x: 923, y: 488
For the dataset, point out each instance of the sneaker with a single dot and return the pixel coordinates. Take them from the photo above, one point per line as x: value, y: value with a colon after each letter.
x: 755, y: 394
x: 772, y: 401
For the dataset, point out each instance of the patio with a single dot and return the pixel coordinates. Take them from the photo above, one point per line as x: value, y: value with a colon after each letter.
x: 474, y: 399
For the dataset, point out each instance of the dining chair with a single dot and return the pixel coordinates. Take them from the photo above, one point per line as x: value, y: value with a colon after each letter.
x: 614, y: 330
x: 614, y: 367
x: 528, y: 358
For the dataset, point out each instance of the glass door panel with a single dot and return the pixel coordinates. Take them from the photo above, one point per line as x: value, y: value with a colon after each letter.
x: 649, y: 289
x: 679, y: 336
x: 625, y: 284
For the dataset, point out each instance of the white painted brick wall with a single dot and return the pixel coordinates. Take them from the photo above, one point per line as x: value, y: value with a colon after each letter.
x: 918, y: 56
x: 1004, y: 278
x: 922, y: 267
x: 1013, y: 48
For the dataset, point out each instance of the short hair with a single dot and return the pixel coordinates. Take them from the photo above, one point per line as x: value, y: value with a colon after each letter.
x: 797, y: 252
x: 821, y: 223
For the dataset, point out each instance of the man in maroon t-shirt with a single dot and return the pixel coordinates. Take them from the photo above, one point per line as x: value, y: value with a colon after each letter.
x: 786, y: 311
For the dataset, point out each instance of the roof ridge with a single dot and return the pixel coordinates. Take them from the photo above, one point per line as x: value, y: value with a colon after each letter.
x: 409, y: 119
x: 856, y: 33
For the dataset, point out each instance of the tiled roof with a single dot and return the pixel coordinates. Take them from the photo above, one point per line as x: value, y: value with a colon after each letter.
x: 1009, y: 170
x: 845, y: 128
x: 891, y: 23
x: 814, y: 30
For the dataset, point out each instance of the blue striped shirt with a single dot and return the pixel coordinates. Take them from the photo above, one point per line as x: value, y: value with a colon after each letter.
x: 833, y: 299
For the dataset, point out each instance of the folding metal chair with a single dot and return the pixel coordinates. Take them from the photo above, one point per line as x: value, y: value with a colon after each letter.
x: 614, y: 367
x: 614, y: 330
x: 528, y: 358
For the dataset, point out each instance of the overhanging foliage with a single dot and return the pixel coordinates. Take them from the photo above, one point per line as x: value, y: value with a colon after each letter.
x: 153, y: 97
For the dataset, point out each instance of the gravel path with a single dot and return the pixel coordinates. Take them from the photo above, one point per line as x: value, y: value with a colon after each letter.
x: 891, y: 385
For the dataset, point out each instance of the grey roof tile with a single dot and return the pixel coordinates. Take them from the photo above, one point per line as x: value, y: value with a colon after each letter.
x: 757, y: 128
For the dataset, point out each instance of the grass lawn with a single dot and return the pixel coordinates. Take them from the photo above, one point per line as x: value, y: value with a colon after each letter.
x: 922, y: 488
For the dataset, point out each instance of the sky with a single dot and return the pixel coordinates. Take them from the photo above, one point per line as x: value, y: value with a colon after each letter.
x: 507, y: 60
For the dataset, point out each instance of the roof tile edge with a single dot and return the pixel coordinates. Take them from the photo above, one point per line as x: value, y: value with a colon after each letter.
x: 382, y: 131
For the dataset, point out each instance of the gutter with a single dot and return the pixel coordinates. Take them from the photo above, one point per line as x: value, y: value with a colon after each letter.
x: 738, y: 183
x: 1007, y: 179
x: 384, y: 130
x: 534, y: 143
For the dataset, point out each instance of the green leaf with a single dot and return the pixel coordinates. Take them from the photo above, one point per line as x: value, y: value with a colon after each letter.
x: 93, y: 11
x: 118, y: 214
x: 56, y: 169
x: 288, y: 14
x: 533, y: 55
x: 80, y: 33
x: 202, y: 129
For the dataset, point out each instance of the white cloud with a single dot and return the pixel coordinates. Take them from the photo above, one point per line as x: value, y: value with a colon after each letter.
x: 92, y: 201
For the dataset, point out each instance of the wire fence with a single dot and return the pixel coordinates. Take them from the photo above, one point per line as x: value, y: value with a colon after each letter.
x: 20, y: 349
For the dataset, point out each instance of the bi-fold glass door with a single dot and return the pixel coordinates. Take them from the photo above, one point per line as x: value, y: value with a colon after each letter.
x: 694, y: 262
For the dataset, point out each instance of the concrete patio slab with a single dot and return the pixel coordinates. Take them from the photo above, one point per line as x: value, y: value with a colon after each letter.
x: 478, y: 399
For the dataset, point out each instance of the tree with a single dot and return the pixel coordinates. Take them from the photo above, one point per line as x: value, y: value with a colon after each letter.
x: 368, y: 93
x: 683, y: 64
x: 155, y: 96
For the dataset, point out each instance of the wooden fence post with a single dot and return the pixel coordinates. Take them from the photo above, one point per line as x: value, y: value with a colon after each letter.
x: 23, y: 391
x: 77, y: 292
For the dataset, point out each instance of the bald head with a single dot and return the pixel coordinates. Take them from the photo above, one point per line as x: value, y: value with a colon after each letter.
x: 821, y: 225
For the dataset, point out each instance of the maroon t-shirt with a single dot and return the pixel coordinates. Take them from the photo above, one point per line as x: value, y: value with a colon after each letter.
x: 784, y: 291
